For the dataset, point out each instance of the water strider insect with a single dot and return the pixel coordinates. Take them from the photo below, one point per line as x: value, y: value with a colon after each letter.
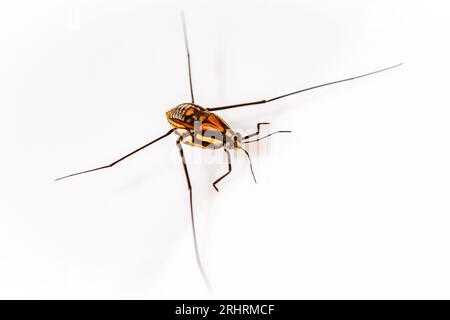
x: 201, y: 127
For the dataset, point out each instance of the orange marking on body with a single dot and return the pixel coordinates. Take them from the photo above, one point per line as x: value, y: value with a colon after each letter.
x: 180, y: 124
x: 216, y: 122
x: 189, y: 112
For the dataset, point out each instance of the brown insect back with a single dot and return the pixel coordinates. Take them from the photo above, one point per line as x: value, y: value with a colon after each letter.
x: 199, y: 127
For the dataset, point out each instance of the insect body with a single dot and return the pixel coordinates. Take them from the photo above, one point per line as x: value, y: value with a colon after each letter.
x: 200, y: 127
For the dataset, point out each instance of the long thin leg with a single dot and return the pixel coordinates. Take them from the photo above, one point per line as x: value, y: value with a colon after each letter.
x: 117, y: 161
x: 271, y: 134
x: 188, y: 55
x: 229, y: 170
x: 299, y: 91
x: 197, y: 254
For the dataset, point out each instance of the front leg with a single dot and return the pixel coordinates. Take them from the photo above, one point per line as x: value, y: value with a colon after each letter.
x: 229, y: 170
x: 257, y: 130
x: 197, y: 253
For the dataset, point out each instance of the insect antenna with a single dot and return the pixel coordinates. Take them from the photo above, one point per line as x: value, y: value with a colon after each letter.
x: 119, y: 160
x: 270, y: 134
x: 250, y: 160
x: 188, y: 55
x: 299, y: 91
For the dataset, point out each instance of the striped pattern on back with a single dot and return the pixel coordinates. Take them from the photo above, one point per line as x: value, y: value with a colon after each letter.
x: 199, y: 127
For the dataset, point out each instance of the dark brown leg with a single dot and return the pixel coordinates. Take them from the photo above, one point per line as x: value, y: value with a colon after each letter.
x: 197, y: 254
x: 188, y: 56
x: 298, y: 91
x: 117, y: 161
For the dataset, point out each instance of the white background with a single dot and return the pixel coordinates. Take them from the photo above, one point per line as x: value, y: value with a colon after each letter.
x: 353, y: 204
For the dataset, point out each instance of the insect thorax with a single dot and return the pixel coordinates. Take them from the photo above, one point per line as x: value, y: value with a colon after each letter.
x: 199, y: 127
